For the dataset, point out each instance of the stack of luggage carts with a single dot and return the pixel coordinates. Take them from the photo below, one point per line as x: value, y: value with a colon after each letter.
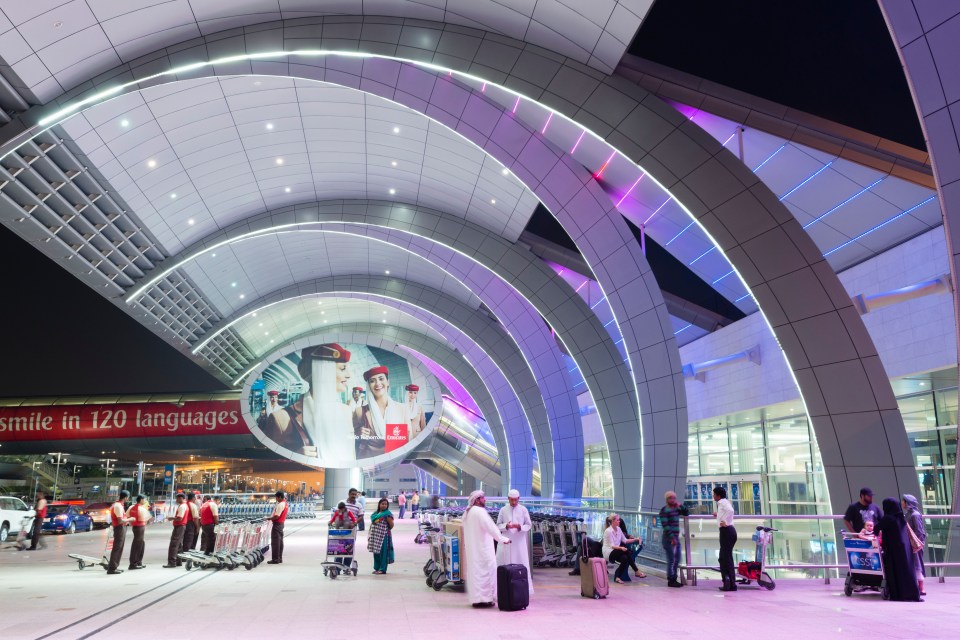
x: 555, y: 539
x: 443, y: 567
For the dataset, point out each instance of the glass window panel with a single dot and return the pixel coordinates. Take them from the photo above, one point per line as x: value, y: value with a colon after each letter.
x: 747, y: 460
x: 946, y: 406
x: 715, y: 464
x: 918, y: 411
x: 714, y: 442
x: 749, y: 437
x: 789, y: 430
x: 790, y: 458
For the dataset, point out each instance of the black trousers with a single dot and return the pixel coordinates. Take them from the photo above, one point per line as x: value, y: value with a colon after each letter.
x: 136, y: 549
x: 119, y: 534
x: 209, y: 539
x: 276, y: 542
x: 176, y: 543
x: 625, y: 558
x: 728, y: 571
x: 189, y: 536
x: 36, y: 535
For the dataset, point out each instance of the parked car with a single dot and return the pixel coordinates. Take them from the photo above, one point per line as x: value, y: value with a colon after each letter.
x: 67, y: 518
x: 100, y: 512
x: 12, y: 513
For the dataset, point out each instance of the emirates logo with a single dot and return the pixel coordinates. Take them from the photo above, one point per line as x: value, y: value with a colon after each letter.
x: 396, y: 431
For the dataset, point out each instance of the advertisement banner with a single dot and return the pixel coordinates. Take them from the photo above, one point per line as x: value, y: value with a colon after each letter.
x: 340, y: 406
x: 146, y: 420
x: 168, y: 474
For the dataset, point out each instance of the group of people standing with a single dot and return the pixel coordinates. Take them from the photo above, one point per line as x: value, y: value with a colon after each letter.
x: 901, y: 535
x: 350, y: 514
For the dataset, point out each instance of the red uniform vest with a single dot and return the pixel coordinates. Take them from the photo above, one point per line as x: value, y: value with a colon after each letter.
x: 182, y: 522
x: 283, y: 515
x: 113, y: 515
x: 135, y: 514
x: 42, y: 513
x: 206, y: 513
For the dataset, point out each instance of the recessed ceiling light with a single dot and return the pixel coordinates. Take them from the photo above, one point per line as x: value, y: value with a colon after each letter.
x: 505, y: 171
x: 173, y: 196
x: 233, y: 284
x: 269, y: 126
x: 396, y: 129
x: 384, y: 321
x: 271, y: 340
x: 387, y: 272
x: 124, y: 123
x: 191, y: 221
x: 393, y: 164
x: 260, y: 325
x: 242, y: 296
x: 324, y: 322
x: 151, y: 163
x: 319, y: 301
x: 254, y: 314
x: 393, y: 192
x: 287, y: 189
x: 58, y: 24
x: 323, y: 313
x: 384, y: 313
x: 266, y: 333
x: 493, y: 201
x: 279, y: 160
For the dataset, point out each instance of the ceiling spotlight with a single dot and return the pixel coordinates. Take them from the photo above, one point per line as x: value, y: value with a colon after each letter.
x: 255, y: 314
x: 393, y: 164
x: 323, y: 313
x: 396, y: 129
x: 387, y: 272
x: 213, y: 255
x: 233, y: 284
x: 279, y: 161
x: 384, y: 321
x: 505, y: 171
x: 324, y: 322
x: 384, y: 313
x: 151, y: 163
x: 493, y: 201
x: 242, y: 296
x: 266, y: 333
x: 173, y: 196
x: 319, y: 301
x: 287, y: 189
x: 393, y: 192
x: 260, y: 325
x: 124, y: 123
x: 191, y: 221
x: 271, y: 340
x: 58, y: 24
x: 269, y: 126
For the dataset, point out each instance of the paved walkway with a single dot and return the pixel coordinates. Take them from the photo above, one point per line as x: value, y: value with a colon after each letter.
x: 44, y: 595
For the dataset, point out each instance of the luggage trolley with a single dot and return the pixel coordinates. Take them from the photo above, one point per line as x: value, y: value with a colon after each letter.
x: 865, y: 565
x: 443, y: 568
x: 754, y: 570
x: 341, y: 545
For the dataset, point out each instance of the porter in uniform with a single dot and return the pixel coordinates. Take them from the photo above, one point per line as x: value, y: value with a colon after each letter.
x: 179, y: 517
x: 191, y: 534
x: 36, y: 532
x: 276, y: 534
x: 209, y: 519
x: 139, y: 516
x: 118, y: 518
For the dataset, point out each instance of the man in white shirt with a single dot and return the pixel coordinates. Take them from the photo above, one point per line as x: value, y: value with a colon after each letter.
x: 354, y: 506
x: 479, y: 533
x: 514, y: 521
x: 362, y: 501
x: 728, y: 539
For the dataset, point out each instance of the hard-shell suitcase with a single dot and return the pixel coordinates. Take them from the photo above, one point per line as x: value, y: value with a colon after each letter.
x: 513, y: 589
x: 594, y: 582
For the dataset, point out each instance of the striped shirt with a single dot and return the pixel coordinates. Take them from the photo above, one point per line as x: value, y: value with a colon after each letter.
x: 670, y: 521
x: 356, y: 509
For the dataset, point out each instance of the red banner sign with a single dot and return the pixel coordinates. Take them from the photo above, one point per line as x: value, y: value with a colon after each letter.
x: 147, y: 420
x: 396, y: 437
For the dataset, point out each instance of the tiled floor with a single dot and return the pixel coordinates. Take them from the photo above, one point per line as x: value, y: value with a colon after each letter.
x: 44, y: 595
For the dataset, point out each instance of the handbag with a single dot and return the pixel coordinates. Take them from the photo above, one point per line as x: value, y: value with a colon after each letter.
x: 915, y: 542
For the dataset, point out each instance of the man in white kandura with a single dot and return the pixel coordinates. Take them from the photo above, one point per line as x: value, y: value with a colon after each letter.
x: 479, y: 532
x: 514, y: 522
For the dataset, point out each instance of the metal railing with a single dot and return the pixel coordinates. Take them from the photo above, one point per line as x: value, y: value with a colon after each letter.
x: 825, y: 534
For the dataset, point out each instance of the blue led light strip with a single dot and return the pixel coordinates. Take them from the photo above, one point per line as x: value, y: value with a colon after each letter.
x: 879, y: 226
x: 728, y: 273
x: 770, y: 157
x: 679, y: 234
x: 818, y: 172
x: 682, y: 329
x: 694, y: 261
x: 851, y: 198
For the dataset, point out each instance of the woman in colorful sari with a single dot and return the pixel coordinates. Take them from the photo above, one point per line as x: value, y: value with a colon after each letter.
x: 379, y: 540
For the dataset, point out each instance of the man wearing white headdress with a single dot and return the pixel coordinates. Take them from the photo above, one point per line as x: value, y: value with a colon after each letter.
x: 514, y: 522
x: 479, y: 533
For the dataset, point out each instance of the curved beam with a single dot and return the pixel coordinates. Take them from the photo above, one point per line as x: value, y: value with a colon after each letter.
x: 471, y: 261
x: 490, y: 349
x: 387, y: 337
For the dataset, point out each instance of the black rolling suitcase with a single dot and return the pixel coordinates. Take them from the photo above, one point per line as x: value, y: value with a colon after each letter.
x: 513, y: 589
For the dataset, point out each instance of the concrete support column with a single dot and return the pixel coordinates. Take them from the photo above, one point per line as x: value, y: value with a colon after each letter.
x: 338, y: 482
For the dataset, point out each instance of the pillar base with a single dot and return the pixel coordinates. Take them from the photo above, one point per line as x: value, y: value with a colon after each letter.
x: 338, y: 482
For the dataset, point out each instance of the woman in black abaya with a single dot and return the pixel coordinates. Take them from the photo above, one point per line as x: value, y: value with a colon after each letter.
x: 897, y: 553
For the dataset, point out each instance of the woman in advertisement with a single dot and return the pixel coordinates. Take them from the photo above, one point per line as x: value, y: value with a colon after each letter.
x: 380, y: 411
x: 319, y: 424
x: 415, y: 413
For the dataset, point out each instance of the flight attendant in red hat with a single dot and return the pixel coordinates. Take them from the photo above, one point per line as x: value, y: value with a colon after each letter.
x: 381, y: 410
x: 273, y: 404
x: 416, y: 417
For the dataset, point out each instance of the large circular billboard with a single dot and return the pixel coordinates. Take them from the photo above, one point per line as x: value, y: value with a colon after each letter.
x: 340, y: 405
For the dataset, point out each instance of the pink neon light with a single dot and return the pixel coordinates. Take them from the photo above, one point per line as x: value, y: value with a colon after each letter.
x: 483, y: 89
x: 604, y: 167
x: 631, y: 189
x: 547, y: 123
x: 574, y: 150
x: 657, y: 211
x: 516, y: 104
x: 581, y: 286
